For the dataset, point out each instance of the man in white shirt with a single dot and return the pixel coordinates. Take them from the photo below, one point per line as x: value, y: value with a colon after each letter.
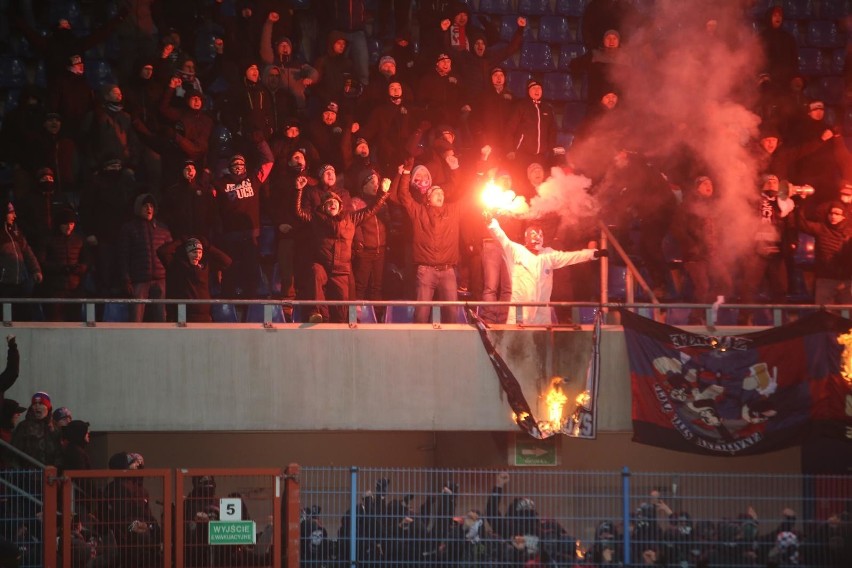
x: 531, y: 266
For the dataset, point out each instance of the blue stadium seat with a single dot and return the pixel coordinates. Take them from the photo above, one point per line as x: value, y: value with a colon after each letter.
x: 399, y: 314
x: 811, y: 61
x: 798, y: 9
x: 533, y: 7
x: 516, y: 82
x: 827, y: 89
x: 224, y: 313
x: 587, y: 315
x: 804, y: 249
x: 116, y: 312
x: 823, y: 33
x: 554, y: 29
x: 508, y: 27
x: 838, y: 60
x: 559, y: 87
x: 617, y: 280
x: 496, y: 7
x: 573, y: 8
x: 254, y: 314
x: 794, y: 29
x: 13, y: 73
x: 300, y: 4
x: 569, y: 52
x: 98, y: 72
x: 829, y: 10
x: 536, y: 57
x: 366, y: 314
x: 564, y: 139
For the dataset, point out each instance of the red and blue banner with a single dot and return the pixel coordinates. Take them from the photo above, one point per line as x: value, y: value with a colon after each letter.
x: 738, y: 394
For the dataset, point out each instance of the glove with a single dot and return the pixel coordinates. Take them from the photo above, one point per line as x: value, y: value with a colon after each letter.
x: 601, y: 253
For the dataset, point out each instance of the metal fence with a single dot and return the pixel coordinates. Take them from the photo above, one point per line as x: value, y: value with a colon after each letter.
x: 426, y: 518
x: 23, y: 502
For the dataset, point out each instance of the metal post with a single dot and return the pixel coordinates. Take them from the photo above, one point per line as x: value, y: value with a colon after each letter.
x: 293, y: 497
x: 353, y: 516
x: 49, y: 529
x: 625, y: 512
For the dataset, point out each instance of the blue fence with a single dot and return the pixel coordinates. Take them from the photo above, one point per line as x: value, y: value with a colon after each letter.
x: 478, y: 518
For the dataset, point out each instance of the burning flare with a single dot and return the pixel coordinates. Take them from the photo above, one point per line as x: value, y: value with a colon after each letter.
x: 496, y: 198
x: 846, y: 357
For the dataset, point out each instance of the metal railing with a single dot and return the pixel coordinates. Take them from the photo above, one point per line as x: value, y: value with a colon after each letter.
x: 581, y: 312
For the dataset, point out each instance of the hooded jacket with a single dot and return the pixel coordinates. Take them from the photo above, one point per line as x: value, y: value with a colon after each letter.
x: 17, y: 260
x: 293, y: 70
x: 333, y: 235
x: 138, y: 244
x: 185, y: 280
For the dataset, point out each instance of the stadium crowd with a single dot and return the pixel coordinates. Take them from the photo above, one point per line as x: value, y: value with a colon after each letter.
x: 238, y: 140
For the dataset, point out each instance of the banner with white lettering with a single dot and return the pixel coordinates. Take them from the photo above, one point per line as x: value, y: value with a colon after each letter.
x: 741, y: 394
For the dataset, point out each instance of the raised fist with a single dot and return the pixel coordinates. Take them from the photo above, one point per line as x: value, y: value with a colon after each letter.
x: 522, y: 22
x: 445, y: 24
x: 301, y: 182
x: 273, y: 17
x: 175, y: 82
x: 386, y: 183
x: 355, y: 127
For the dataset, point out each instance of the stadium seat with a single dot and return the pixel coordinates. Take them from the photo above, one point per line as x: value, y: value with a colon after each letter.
x: 794, y: 29
x: 564, y: 139
x: 811, y: 61
x: 224, y: 313
x: 116, y: 313
x: 823, y: 33
x: 508, y: 27
x: 798, y: 9
x: 587, y: 314
x: 496, y: 7
x: 838, y: 60
x: 573, y: 8
x: 559, y: 87
x: 533, y: 7
x: 537, y: 57
x: 569, y: 52
x: 617, y: 281
x: 804, y: 254
x: 829, y: 10
x: 13, y: 73
x: 516, y: 82
x: 830, y: 90
x: 554, y: 29
x: 366, y: 314
x: 98, y: 73
x: 399, y: 314
x: 254, y: 314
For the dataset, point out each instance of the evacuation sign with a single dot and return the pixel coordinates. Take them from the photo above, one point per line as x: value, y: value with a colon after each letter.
x: 231, y: 532
x: 531, y: 452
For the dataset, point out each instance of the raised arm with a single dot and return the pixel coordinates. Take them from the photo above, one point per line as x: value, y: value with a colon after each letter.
x: 304, y: 215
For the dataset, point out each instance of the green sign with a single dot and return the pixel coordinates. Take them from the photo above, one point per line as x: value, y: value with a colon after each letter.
x: 231, y: 532
x: 530, y: 452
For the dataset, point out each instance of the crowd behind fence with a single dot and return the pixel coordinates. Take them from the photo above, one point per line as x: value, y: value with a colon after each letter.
x: 334, y: 517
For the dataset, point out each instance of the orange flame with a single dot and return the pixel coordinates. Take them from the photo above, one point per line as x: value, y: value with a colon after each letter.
x: 846, y: 357
x: 496, y: 198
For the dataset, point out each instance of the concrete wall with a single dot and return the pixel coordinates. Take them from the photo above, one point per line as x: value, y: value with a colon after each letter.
x: 164, y: 378
x: 378, y: 395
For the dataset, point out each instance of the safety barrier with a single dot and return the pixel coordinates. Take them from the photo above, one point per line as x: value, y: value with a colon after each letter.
x: 270, y: 313
x: 317, y: 517
x: 401, y: 517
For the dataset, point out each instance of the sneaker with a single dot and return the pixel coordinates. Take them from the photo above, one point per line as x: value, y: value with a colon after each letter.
x: 315, y: 318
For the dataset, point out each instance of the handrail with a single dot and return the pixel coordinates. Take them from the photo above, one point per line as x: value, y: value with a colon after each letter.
x: 654, y: 307
x: 7, y: 446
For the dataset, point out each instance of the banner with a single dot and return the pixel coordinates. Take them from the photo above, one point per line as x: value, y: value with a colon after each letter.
x: 741, y: 394
x: 571, y: 405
